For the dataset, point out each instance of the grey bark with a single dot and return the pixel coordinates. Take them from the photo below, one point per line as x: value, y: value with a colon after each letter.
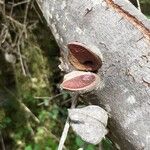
x: 122, y: 34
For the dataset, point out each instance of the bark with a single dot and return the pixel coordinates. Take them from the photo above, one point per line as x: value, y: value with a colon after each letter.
x: 122, y: 34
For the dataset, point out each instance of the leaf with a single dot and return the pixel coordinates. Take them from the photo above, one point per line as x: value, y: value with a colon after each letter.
x: 89, y: 123
x: 79, y: 141
x: 29, y: 147
x: 90, y: 147
x: 107, y: 144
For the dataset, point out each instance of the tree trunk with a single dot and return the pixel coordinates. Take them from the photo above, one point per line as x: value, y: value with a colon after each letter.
x: 122, y: 34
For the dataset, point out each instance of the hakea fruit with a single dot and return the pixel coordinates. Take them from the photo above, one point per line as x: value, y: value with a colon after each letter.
x: 81, y: 81
x: 85, y: 58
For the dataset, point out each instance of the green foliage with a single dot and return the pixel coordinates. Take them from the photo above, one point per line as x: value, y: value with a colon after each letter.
x: 5, y: 122
x: 148, y: 16
x: 107, y: 144
x: 20, y: 108
x: 80, y: 143
x: 28, y: 147
x: 144, y: 1
x: 145, y: 7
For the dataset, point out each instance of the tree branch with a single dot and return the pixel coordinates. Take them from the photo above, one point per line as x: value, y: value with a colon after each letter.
x: 122, y: 34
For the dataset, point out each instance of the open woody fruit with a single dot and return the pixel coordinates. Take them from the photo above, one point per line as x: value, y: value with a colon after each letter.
x: 81, y: 81
x: 82, y: 58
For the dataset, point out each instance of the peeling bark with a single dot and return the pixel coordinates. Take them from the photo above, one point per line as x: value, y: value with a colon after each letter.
x: 132, y: 19
x: 122, y: 34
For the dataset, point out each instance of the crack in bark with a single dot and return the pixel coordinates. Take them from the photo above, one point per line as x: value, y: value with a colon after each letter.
x: 88, y: 11
x: 146, y: 82
x: 104, y: 45
x: 129, y: 74
x: 132, y: 19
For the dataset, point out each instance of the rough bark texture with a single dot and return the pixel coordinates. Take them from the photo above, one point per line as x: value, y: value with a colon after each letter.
x: 122, y: 34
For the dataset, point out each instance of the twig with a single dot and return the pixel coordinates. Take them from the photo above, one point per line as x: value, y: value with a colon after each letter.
x: 50, y: 133
x: 3, y: 34
x: 36, y: 11
x: 26, y: 12
x: 19, y: 3
x: 21, y: 60
x: 67, y: 125
x: 64, y: 135
x: 19, y: 50
x: 49, y: 98
x: 33, y: 25
x: 138, y: 4
x: 4, y: 8
x: 21, y: 35
x: 101, y: 146
x: 15, y: 21
x: 2, y: 141
x: 66, y: 101
x: 12, y: 8
x: 28, y: 111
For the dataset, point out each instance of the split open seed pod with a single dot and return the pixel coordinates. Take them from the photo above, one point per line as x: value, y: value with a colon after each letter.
x: 81, y: 81
x: 86, y: 58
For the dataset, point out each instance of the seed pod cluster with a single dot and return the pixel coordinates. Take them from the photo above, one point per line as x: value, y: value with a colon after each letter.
x: 88, y: 122
x: 83, y: 59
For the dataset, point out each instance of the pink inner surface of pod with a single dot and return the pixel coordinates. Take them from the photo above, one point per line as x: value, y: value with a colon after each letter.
x: 79, y: 82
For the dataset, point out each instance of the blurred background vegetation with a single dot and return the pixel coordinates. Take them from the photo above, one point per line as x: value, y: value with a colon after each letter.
x: 32, y: 108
